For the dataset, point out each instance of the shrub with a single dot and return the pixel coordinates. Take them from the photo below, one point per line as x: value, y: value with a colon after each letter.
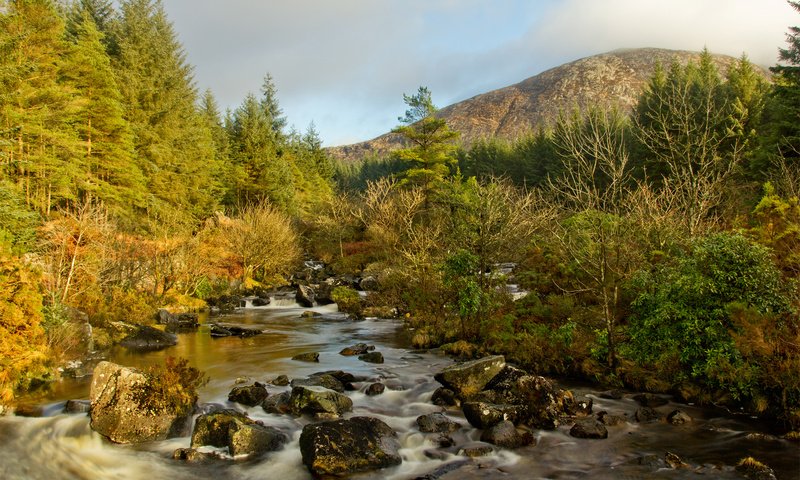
x: 23, y: 348
x: 172, y: 387
x: 348, y: 300
x: 685, y: 323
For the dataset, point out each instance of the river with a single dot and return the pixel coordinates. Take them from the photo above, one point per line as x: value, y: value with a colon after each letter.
x: 63, y: 446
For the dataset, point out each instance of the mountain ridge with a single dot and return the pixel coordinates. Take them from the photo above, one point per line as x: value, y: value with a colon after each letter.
x: 609, y: 79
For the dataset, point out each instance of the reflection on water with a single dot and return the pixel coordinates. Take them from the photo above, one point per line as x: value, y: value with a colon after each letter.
x: 63, y: 446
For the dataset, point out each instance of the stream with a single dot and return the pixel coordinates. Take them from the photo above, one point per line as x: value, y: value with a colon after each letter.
x: 63, y: 446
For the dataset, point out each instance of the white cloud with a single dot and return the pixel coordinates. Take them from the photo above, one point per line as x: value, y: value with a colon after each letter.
x: 346, y: 63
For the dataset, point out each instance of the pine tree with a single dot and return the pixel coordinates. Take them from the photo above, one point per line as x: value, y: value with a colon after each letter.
x: 272, y: 109
x: 37, y: 146
x: 107, y: 144
x: 431, y: 151
x: 173, y: 144
x: 102, y: 14
x: 781, y: 139
x: 262, y: 172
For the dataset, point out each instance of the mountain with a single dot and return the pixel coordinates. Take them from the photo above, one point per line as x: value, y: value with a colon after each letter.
x: 614, y: 78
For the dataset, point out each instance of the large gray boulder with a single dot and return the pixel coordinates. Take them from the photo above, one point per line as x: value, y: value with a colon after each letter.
x: 589, y: 428
x: 305, y: 296
x: 539, y: 401
x: 123, y: 411
x: 436, y: 423
x: 319, y: 380
x: 485, y: 415
x: 250, y: 395
x: 149, y: 338
x: 236, y: 431
x: 342, y: 447
x: 468, y: 378
x: 506, y: 435
x: 318, y: 400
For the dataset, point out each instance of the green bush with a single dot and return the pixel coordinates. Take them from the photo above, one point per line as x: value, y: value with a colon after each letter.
x: 683, y: 327
x: 348, y: 300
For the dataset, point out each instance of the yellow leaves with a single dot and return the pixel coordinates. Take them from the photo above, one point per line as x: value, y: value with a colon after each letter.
x: 23, y: 349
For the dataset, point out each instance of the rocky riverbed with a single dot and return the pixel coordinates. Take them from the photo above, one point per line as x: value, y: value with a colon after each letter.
x: 276, y: 416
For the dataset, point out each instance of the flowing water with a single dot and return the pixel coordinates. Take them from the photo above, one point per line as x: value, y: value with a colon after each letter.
x: 63, y: 446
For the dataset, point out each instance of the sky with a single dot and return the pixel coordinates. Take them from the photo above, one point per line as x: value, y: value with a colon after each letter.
x: 345, y: 64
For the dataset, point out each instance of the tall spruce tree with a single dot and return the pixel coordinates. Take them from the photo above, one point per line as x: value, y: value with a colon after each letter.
x: 97, y: 117
x: 37, y: 145
x: 261, y: 171
x: 781, y: 140
x: 173, y: 144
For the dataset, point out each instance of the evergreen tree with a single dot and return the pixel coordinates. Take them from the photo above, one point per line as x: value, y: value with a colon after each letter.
x: 37, y: 145
x: 431, y: 151
x: 272, y: 109
x: 102, y: 14
x: 261, y: 172
x: 97, y: 118
x: 781, y: 141
x: 173, y: 144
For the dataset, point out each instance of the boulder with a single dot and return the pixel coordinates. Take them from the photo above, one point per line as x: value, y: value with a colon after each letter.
x: 755, y: 470
x: 436, y: 423
x: 357, y: 349
x: 371, y: 357
x: 342, y: 447
x: 278, y: 404
x: 539, y: 402
x: 468, y: 378
x: 506, y: 435
x: 234, y: 430
x: 506, y: 379
x: 260, y: 301
x: 678, y: 417
x: 192, y: 455
x: 77, y: 406
x: 149, y: 338
x: 319, y: 380
x: 674, y: 461
x: 307, y: 357
x: 484, y: 415
x: 476, y: 449
x: 444, y: 397
x: 121, y: 410
x: 369, y: 284
x: 255, y: 439
x: 177, y: 322
x: 219, y: 330
x: 342, y: 376
x: 280, y: 381
x: 646, y: 414
x: 576, y: 406
x: 213, y: 429
x: 611, y: 394
x: 314, y: 400
x: 250, y: 395
x: 375, y: 389
x: 323, y: 292
x: 588, y: 428
x: 650, y: 400
x: 305, y: 296
x: 611, y: 420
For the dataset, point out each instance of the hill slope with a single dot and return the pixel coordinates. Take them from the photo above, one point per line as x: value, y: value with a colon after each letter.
x: 614, y: 78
